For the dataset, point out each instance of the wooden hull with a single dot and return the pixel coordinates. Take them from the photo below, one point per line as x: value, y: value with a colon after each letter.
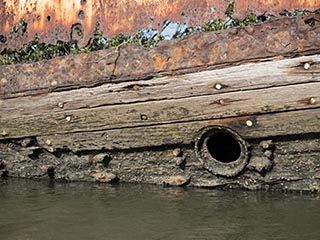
x: 236, y: 108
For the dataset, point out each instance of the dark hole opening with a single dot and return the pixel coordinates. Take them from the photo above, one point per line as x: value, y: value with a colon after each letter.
x: 106, y: 161
x: 2, y: 166
x: 35, y: 155
x: 223, y: 147
x: 311, y: 22
x: 50, y: 172
x: 3, y: 39
x: 76, y: 31
x: 48, y: 18
x: 81, y: 14
x: 5, y: 173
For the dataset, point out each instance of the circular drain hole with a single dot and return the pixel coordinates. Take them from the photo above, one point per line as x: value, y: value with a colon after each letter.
x: 222, y: 151
x: 223, y: 147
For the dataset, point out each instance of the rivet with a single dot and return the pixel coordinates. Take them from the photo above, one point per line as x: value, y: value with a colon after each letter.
x: 3, y: 80
x: 143, y: 117
x: 61, y: 104
x: 306, y: 66
x: 218, y: 86
x: 268, y: 154
x: 249, y: 123
x: 265, y: 144
x: 48, y: 142
x: 54, y: 83
x: 177, y: 152
x: 4, y: 133
x: 51, y: 149
x: 136, y: 87
x: 68, y: 118
x: 312, y: 100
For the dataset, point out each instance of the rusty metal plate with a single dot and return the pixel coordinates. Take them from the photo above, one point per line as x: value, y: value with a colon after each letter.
x: 22, y: 20
x: 280, y: 37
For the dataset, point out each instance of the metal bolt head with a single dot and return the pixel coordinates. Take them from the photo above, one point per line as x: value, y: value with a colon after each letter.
x: 68, y: 118
x: 143, y: 117
x: 60, y: 104
x: 268, y: 154
x: 306, y: 66
x: 51, y: 149
x: 312, y: 100
x: 249, y: 123
x: 54, y: 83
x: 177, y: 152
x: 218, y: 86
x: 267, y: 144
x: 48, y: 142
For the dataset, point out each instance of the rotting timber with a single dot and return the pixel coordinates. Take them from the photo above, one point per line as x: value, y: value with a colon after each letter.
x: 233, y: 108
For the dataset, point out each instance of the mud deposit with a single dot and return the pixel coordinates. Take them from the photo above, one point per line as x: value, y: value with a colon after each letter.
x: 278, y: 164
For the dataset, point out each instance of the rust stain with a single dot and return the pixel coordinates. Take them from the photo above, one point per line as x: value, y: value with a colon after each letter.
x: 177, y: 180
x: 225, y: 101
x: 309, y: 101
x: 305, y: 68
x: 57, y: 20
x: 170, y: 57
x: 230, y: 121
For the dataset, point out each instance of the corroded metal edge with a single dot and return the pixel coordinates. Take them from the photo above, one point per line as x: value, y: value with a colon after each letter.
x: 288, y: 36
x: 62, y: 20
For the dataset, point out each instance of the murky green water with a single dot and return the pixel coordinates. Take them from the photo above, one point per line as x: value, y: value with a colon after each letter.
x: 47, y: 210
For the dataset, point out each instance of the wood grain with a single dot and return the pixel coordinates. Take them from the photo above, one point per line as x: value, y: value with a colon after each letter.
x: 239, y: 78
x: 264, y: 126
x: 277, y: 99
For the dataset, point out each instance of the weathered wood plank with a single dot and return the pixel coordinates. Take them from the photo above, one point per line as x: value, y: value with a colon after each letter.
x: 277, y: 99
x: 279, y: 37
x: 238, y: 78
x: 264, y: 126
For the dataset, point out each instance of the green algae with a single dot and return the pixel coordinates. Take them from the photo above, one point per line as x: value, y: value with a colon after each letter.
x: 230, y: 9
x: 21, y: 26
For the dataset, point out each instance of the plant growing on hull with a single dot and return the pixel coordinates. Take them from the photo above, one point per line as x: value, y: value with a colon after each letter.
x: 230, y: 9
x: 21, y: 26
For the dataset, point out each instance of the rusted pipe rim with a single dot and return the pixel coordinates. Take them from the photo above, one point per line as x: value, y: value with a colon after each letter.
x: 222, y: 151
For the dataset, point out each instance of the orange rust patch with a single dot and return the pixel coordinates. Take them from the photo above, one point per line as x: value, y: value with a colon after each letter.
x: 53, y: 20
x: 176, y: 180
x: 160, y: 61
x: 226, y: 121
x: 181, y: 55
